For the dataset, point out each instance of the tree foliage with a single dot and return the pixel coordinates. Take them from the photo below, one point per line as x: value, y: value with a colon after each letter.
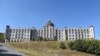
x: 55, y: 38
x: 33, y: 39
x: 62, y: 45
x: 41, y: 38
x: 89, y: 46
x: 1, y: 37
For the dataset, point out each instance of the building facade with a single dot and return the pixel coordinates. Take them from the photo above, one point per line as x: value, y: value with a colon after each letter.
x: 48, y: 32
x: 17, y: 35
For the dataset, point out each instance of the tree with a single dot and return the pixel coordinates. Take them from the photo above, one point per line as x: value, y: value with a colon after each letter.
x: 2, y: 37
x: 45, y: 39
x: 89, y: 46
x: 33, y: 39
x: 62, y: 45
x: 71, y: 44
x: 97, y: 51
x: 40, y: 38
x: 55, y: 38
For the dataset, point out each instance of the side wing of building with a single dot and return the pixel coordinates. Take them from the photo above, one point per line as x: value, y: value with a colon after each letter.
x: 17, y: 35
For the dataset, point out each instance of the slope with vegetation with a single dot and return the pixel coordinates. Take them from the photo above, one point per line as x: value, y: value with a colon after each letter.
x: 46, y: 48
x: 88, y: 46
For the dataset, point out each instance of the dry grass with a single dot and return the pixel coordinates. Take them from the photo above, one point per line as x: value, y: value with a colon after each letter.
x: 45, y: 48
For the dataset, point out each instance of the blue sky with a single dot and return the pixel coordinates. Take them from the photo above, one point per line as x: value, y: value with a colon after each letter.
x: 64, y: 13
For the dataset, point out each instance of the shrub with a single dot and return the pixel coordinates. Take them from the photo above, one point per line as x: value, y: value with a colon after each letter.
x: 40, y: 38
x: 62, y: 45
x: 71, y: 44
x: 33, y: 39
x: 55, y: 38
x: 2, y: 39
x: 89, y: 46
x: 97, y: 51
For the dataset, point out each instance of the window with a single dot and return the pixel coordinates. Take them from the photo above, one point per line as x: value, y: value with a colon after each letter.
x: 70, y: 38
x: 76, y: 35
x: 59, y: 38
x: 22, y: 30
x: 88, y: 35
x: 73, y: 35
x: 28, y: 30
x: 82, y: 35
x: 79, y: 35
x: 84, y: 31
x: 41, y: 31
x: 73, y: 38
x: 27, y: 38
x: 69, y: 35
x: 76, y: 38
x: 13, y: 30
x: 25, y: 30
x: 16, y: 30
x: 81, y: 30
x: 69, y: 31
x: 19, y: 30
x: 75, y: 30
x: 78, y: 31
x: 59, y: 35
x: 72, y: 31
x: 87, y: 31
x: 50, y: 28
x: 85, y: 35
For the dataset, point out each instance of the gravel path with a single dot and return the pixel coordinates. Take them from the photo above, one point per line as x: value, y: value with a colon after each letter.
x: 6, y: 51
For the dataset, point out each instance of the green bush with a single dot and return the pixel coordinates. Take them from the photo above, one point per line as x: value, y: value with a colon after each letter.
x: 71, y: 44
x: 97, y: 51
x: 55, y: 38
x: 41, y: 38
x: 33, y: 39
x: 62, y: 45
x: 2, y: 39
x: 89, y: 46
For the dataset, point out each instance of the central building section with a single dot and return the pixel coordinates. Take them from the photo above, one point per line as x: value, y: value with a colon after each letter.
x: 48, y: 32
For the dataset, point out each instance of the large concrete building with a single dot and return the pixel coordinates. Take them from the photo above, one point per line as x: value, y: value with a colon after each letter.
x: 48, y: 32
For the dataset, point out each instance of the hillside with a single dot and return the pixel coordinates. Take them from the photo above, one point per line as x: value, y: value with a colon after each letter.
x: 45, y: 48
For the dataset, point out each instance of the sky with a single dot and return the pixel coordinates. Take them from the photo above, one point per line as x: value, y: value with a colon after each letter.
x: 63, y: 13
